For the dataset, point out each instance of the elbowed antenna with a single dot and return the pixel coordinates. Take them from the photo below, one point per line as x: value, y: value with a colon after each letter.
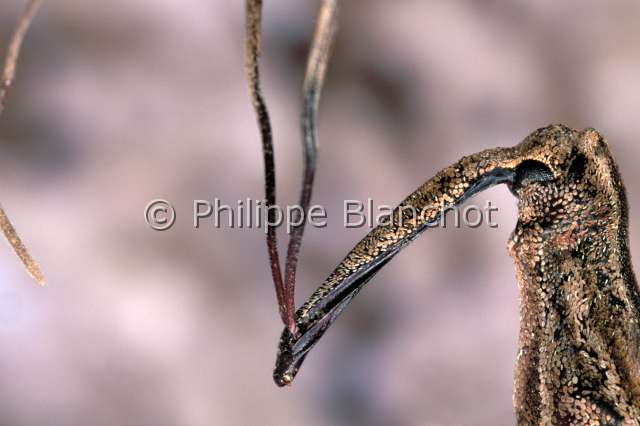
x: 448, y: 188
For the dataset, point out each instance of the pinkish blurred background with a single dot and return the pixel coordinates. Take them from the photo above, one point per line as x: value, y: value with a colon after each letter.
x: 117, y: 103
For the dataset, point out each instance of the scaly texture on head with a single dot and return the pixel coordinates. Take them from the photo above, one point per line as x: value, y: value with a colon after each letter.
x: 578, y: 358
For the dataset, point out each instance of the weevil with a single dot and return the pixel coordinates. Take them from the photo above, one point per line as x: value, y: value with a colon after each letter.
x: 579, y: 340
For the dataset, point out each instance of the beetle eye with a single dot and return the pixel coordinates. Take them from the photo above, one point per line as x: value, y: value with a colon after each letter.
x: 530, y: 171
x: 577, y: 168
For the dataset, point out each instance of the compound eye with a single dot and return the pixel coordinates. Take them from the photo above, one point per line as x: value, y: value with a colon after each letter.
x: 531, y: 171
x: 577, y: 169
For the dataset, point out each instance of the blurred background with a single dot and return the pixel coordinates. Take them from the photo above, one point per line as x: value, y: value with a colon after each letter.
x: 117, y: 103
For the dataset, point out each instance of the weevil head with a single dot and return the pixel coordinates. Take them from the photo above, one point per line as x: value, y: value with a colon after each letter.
x: 556, y: 165
x: 558, y: 153
x: 546, y: 160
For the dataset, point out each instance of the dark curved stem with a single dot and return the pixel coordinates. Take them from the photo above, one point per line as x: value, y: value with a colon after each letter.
x: 317, y: 62
x: 252, y: 55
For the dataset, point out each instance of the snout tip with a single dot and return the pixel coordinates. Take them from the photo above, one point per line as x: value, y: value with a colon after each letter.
x: 283, y: 380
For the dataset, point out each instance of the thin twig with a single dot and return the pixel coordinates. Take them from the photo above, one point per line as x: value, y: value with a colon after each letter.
x: 319, y: 55
x: 13, y: 51
x: 8, y: 75
x: 252, y: 56
x: 19, y: 248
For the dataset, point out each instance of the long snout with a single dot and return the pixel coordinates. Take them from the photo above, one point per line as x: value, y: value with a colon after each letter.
x: 448, y: 188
